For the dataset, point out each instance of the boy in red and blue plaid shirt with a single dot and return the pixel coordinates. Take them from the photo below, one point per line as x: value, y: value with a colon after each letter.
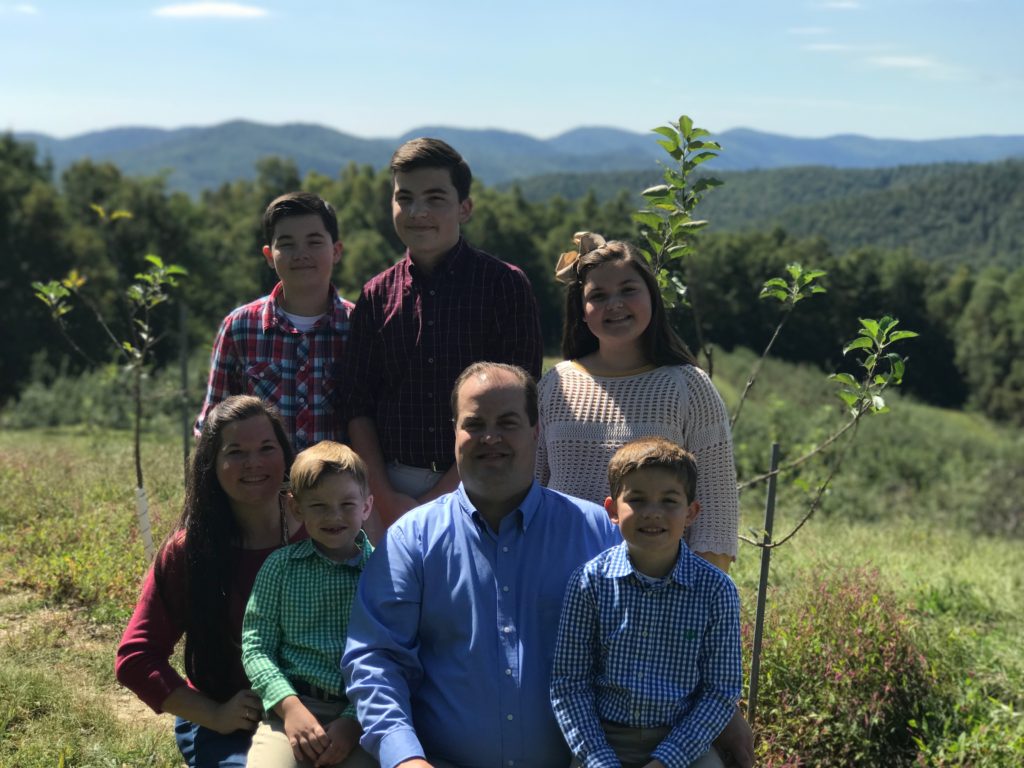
x: 286, y: 347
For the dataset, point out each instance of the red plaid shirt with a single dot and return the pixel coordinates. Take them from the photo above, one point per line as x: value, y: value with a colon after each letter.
x: 259, y: 352
x: 413, y: 334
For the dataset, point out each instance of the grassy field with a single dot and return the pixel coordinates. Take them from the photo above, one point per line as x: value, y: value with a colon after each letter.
x: 896, y: 616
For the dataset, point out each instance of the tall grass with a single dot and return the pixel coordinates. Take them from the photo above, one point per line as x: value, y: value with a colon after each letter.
x: 902, y: 551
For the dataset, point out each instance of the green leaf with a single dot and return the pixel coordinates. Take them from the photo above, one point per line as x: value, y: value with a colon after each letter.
x: 155, y: 260
x: 686, y: 127
x: 648, y: 219
x: 861, y: 343
x: 658, y: 191
x: 668, y: 132
x: 871, y: 326
x: 899, y: 335
x: 776, y: 282
x: 702, y: 157
x: 848, y: 397
x: 773, y: 293
x: 844, y: 378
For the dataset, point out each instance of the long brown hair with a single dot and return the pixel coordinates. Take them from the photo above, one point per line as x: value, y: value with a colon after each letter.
x: 660, y: 344
x: 211, y: 535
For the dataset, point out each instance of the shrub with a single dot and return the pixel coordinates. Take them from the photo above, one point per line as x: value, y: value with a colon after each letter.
x: 841, y: 674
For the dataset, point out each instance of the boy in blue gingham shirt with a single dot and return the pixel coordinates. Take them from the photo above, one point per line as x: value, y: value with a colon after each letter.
x: 647, y: 668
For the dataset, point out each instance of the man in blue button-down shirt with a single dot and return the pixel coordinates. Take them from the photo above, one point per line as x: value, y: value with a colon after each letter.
x: 452, y: 633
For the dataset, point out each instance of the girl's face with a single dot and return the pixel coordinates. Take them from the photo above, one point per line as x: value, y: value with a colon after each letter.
x: 616, y: 304
x: 250, y: 462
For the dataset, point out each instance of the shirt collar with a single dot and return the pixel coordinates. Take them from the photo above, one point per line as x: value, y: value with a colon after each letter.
x: 273, y: 314
x: 619, y: 565
x: 527, y: 508
x: 307, y: 548
x: 450, y: 263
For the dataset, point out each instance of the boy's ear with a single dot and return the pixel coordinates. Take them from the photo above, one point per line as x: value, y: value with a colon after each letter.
x: 269, y: 256
x: 691, y: 512
x: 465, y: 210
x: 293, y: 506
x: 368, y: 507
x: 612, y: 509
x: 338, y: 248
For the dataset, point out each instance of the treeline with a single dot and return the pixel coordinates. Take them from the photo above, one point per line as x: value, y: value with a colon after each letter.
x: 971, y: 320
x: 953, y: 213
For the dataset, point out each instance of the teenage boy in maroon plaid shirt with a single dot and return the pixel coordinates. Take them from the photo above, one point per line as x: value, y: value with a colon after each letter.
x: 419, y: 324
x: 286, y: 348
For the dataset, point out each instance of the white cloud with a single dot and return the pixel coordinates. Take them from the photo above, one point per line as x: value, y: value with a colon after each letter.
x: 809, y: 31
x: 22, y: 8
x: 918, y: 63
x: 828, y: 47
x: 210, y: 11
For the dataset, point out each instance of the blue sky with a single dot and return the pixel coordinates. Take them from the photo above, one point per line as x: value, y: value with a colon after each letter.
x: 377, y: 68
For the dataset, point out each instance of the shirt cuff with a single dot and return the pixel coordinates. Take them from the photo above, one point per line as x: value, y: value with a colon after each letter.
x: 674, y: 756
x: 274, y: 693
x: 398, y: 745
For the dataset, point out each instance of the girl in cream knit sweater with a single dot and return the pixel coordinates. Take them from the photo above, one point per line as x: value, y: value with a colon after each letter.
x: 626, y: 375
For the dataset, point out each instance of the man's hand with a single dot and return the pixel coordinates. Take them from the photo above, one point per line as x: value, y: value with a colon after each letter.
x: 736, y: 742
x: 304, y: 732
x: 343, y: 735
x: 414, y: 762
x: 241, y: 712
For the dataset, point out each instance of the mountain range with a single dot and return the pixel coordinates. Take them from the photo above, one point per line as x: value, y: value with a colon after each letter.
x: 197, y: 158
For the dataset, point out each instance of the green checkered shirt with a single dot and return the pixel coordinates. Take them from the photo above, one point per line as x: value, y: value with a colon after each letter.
x: 296, y: 621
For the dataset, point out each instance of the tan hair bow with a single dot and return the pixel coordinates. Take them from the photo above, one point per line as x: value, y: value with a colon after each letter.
x: 568, y: 262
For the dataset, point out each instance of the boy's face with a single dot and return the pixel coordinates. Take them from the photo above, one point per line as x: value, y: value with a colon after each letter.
x: 334, y: 512
x: 302, y: 252
x: 652, y: 512
x: 427, y: 213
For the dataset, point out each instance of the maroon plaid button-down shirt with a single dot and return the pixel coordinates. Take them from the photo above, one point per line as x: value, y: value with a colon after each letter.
x: 259, y: 352
x: 413, y: 334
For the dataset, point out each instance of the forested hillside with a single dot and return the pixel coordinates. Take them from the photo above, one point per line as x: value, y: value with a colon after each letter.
x: 951, y: 212
x: 969, y: 310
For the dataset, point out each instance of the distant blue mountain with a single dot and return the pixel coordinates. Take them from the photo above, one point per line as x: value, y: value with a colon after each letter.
x: 197, y: 158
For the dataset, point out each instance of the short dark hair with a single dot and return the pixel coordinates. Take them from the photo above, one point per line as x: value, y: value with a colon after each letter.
x: 653, y: 453
x: 525, y: 380
x: 433, y: 153
x: 299, y: 204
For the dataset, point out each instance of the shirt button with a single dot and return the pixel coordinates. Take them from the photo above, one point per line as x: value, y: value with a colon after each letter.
x: 504, y: 589
x: 510, y: 717
x: 430, y: 394
x: 430, y: 429
x: 430, y: 360
x: 504, y: 549
x: 507, y: 630
x: 508, y: 672
x: 430, y: 322
x: 431, y: 291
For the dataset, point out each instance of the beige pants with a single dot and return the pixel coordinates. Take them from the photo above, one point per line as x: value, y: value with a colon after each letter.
x: 633, y: 747
x: 270, y: 747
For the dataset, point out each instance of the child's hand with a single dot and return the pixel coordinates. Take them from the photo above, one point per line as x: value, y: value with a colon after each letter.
x: 303, y: 730
x: 343, y: 734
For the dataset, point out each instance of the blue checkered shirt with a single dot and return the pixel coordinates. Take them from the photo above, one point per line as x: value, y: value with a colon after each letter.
x: 647, y: 655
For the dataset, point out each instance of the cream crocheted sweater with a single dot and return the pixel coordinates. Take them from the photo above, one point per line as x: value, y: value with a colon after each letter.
x: 585, y: 419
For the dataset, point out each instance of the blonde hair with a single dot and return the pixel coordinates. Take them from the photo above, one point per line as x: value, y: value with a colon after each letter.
x: 326, y: 457
x: 653, y: 453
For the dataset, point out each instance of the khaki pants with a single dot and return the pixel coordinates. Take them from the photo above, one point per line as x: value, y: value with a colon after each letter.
x: 270, y: 747
x: 633, y: 746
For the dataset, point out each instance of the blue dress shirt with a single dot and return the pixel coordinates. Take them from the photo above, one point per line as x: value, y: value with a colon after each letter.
x: 644, y: 653
x: 453, y: 629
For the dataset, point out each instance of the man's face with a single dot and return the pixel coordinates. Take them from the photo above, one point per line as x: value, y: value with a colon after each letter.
x: 495, y: 443
x: 427, y: 213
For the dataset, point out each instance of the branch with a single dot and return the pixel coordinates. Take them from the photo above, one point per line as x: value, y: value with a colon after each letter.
x: 757, y: 367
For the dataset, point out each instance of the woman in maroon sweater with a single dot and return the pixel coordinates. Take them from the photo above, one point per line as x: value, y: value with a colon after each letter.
x: 199, y: 584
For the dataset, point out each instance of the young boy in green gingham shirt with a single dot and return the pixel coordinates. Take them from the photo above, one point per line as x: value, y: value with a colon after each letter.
x: 296, y: 620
